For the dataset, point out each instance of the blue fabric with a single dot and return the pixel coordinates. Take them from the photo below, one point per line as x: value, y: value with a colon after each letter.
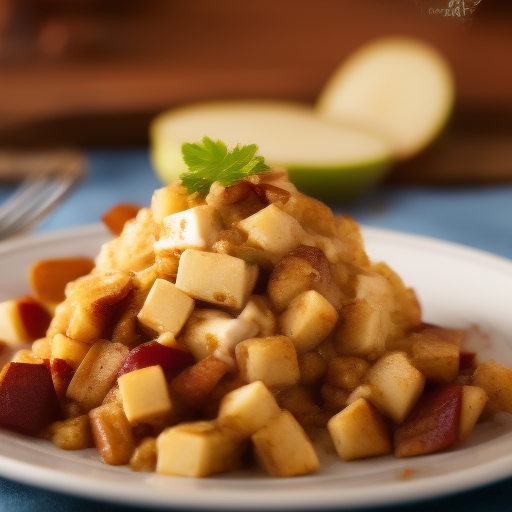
x: 477, y: 217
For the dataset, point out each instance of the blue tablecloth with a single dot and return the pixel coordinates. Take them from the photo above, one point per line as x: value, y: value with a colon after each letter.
x: 478, y: 217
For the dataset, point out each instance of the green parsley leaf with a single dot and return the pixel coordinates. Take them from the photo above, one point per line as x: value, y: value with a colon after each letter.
x: 210, y: 161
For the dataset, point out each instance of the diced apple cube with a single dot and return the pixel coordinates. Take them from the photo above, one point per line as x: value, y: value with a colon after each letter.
x: 42, y: 348
x: 367, y: 320
x: 473, y: 403
x: 62, y: 373
x: 396, y: 385
x: 96, y: 374
x: 360, y: 431
x: 197, y: 449
x: 112, y: 434
x: 171, y: 359
x: 201, y: 332
x: 436, y: 358
x: 376, y: 290
x: 94, y: 301
x: 195, y: 383
x: 432, y: 425
x: 257, y: 310
x: 27, y: 356
x: 22, y: 320
x: 216, y: 278
x: 496, y: 381
x: 83, y: 325
x: 213, y: 332
x: 72, y: 351
x: 283, y: 448
x: 273, y: 360
x: 362, y: 332
x: 273, y: 230
x: 28, y: 401
x: 166, y: 308
x: 196, y: 228
x: 307, y: 320
x: 144, y: 394
x: 247, y: 409
x: 167, y: 201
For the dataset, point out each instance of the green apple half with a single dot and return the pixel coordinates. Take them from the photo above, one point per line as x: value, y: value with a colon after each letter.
x: 332, y: 162
x: 400, y: 88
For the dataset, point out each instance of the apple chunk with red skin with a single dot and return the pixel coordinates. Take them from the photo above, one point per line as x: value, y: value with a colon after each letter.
x: 62, y: 373
x: 152, y: 353
x: 196, y: 382
x: 28, y: 401
x: 432, y: 425
x: 22, y: 320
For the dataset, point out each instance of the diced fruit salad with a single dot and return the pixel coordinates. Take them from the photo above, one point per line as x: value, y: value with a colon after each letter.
x: 236, y: 321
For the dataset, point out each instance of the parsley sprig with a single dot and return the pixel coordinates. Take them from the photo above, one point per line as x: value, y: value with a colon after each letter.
x: 210, y: 161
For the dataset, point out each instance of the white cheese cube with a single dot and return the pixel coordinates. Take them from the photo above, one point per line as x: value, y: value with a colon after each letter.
x: 283, y: 448
x: 247, y: 409
x: 213, y: 332
x: 273, y: 360
x: 307, y: 320
x: 273, y: 230
x: 359, y: 431
x: 197, y: 449
x: 195, y: 228
x: 144, y: 394
x: 216, y: 278
x: 166, y: 308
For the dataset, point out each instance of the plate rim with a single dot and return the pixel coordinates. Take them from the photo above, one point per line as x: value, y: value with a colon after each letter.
x: 387, y: 493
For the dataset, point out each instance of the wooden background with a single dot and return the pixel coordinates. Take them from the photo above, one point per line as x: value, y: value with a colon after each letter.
x: 88, y: 73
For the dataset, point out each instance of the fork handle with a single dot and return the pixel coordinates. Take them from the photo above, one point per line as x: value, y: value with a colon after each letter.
x: 18, y: 165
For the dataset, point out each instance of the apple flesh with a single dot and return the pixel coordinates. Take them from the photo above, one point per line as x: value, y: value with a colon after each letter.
x: 432, y: 425
x: 22, y: 320
x: 34, y: 317
x: 62, y: 373
x: 329, y: 161
x: 195, y: 383
x: 28, y: 401
x: 399, y: 88
x: 152, y: 353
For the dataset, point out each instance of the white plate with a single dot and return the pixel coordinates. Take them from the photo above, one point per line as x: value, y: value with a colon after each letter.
x: 457, y: 287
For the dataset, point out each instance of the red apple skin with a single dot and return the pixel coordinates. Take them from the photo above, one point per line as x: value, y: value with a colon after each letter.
x: 195, y: 383
x: 152, y: 353
x: 466, y: 360
x: 28, y: 401
x: 62, y: 373
x: 34, y: 317
x: 432, y: 425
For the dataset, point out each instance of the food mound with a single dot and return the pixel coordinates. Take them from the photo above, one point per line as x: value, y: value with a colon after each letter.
x: 235, y: 323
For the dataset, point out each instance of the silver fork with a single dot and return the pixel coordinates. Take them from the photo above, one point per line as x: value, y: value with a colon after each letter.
x: 48, y: 177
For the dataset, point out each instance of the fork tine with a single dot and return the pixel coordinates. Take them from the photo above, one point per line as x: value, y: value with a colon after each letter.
x: 31, y: 203
x: 21, y: 196
x: 54, y: 191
